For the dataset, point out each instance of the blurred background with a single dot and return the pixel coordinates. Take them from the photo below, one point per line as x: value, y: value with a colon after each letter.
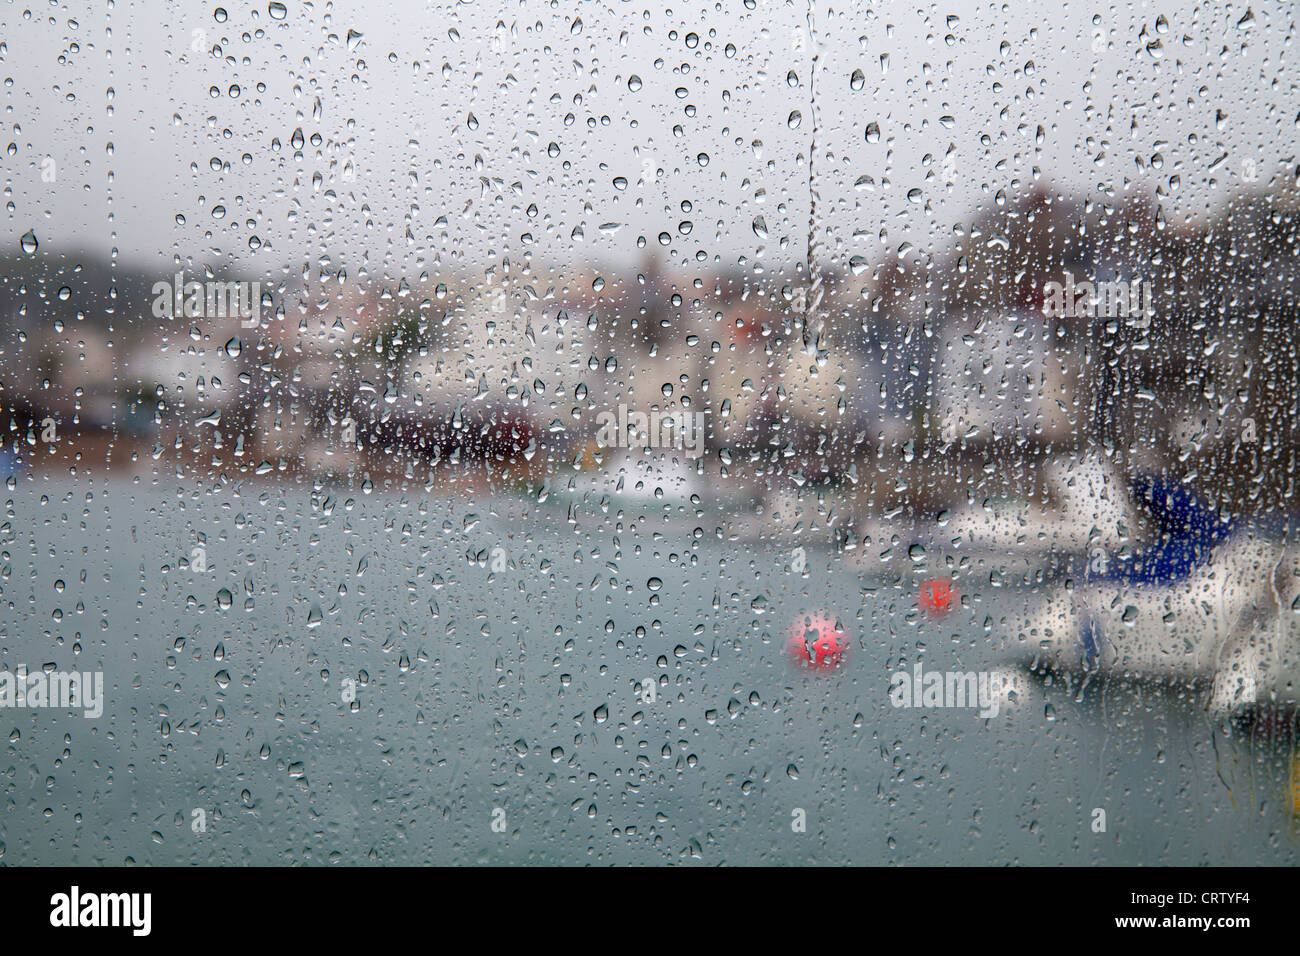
x: 924, y: 390
x: 835, y: 234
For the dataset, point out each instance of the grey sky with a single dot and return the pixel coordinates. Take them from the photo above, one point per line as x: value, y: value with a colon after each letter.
x: 447, y: 114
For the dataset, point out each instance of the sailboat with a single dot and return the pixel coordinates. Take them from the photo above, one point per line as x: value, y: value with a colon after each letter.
x: 1210, y: 600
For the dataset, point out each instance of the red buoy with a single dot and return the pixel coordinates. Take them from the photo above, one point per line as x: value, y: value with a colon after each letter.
x: 937, y: 596
x: 814, y: 642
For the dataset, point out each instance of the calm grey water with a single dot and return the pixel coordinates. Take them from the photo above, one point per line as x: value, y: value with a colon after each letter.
x: 510, y: 695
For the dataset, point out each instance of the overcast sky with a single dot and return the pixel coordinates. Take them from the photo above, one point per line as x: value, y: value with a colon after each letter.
x: 460, y: 135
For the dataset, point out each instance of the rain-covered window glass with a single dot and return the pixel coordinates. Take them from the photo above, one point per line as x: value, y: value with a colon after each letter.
x: 618, y: 433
